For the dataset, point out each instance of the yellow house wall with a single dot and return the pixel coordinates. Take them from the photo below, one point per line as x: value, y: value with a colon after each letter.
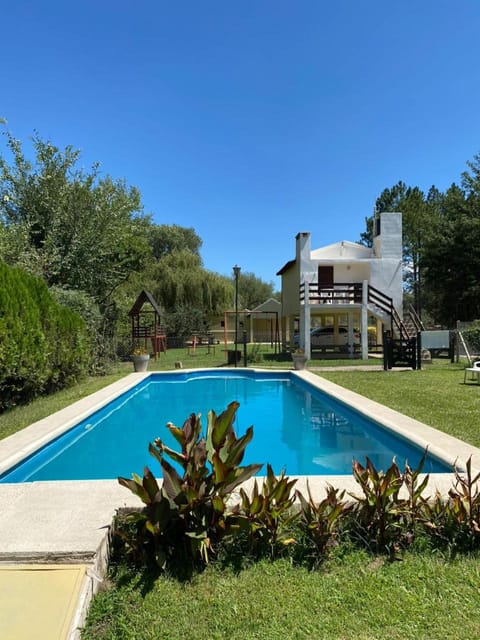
x: 290, y: 291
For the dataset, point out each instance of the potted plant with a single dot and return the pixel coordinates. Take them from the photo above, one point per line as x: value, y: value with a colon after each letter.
x: 140, y: 357
x: 299, y: 359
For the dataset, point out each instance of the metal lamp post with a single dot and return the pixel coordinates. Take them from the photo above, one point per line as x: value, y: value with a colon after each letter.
x: 236, y: 273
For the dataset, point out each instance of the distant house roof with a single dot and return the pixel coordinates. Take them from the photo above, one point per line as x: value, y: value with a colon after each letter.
x: 145, y: 296
x: 270, y: 305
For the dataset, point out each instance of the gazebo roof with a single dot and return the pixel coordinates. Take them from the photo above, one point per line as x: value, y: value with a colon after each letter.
x: 145, y: 296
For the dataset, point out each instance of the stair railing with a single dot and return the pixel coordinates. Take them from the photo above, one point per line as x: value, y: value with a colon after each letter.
x: 417, y: 321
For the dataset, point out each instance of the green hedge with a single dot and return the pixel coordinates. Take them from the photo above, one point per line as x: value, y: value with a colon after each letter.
x: 43, y: 345
x: 472, y: 336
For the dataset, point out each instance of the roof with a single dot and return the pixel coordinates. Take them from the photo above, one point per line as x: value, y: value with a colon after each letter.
x: 145, y: 296
x: 270, y: 305
x: 342, y: 250
x: 285, y: 267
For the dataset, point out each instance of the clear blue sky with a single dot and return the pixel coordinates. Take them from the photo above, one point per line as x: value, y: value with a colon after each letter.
x: 251, y: 120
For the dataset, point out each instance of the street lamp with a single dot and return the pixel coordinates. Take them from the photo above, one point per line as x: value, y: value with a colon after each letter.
x: 236, y: 273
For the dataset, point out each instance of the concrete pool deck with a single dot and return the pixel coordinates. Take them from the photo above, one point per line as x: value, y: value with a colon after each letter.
x: 68, y: 522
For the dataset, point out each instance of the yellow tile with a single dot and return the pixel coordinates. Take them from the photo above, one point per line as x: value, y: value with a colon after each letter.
x: 38, y: 601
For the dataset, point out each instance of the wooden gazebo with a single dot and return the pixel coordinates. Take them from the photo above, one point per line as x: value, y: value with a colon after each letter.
x: 146, y: 326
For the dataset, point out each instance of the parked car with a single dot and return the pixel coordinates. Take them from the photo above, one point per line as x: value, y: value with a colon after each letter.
x: 325, y: 337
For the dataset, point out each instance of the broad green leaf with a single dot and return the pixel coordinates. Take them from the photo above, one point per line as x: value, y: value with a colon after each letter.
x: 220, y: 425
x: 150, y: 484
x: 136, y: 488
x: 235, y: 455
x: 219, y: 469
x: 172, y: 482
x: 177, y: 433
x: 238, y: 476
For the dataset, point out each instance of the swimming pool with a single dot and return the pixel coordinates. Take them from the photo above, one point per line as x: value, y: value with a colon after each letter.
x: 297, y: 427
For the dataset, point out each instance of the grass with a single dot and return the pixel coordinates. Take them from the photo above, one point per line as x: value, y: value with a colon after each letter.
x: 258, y: 355
x: 352, y: 596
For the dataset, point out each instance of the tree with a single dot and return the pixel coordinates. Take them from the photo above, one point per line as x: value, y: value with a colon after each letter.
x: 165, y: 239
x: 451, y: 259
x: 73, y: 228
x: 252, y: 290
x: 181, y: 280
x: 418, y: 215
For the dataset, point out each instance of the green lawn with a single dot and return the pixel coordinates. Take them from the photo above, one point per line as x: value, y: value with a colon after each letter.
x: 352, y: 598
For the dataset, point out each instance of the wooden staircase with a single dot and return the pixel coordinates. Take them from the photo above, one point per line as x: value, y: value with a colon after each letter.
x: 412, y: 322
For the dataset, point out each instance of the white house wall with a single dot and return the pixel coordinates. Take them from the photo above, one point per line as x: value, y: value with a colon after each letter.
x: 386, y: 275
x: 346, y: 271
x: 380, y: 266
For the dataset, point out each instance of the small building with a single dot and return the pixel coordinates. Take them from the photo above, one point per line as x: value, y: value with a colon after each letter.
x: 345, y: 287
x: 263, y: 322
x: 147, y: 330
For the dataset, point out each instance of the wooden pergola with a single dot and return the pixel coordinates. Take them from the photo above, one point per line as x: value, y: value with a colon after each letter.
x: 146, y: 326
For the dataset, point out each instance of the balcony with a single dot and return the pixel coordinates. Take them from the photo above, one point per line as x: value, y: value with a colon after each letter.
x: 340, y: 293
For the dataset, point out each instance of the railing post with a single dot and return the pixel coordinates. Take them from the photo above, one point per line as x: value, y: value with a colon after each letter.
x: 387, y: 351
x: 307, y: 320
x: 364, y: 318
x: 419, y: 350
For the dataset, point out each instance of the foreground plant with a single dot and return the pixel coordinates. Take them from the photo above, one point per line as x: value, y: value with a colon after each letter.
x: 380, y: 512
x: 455, y: 522
x: 267, y: 514
x: 190, y: 510
x: 322, y: 521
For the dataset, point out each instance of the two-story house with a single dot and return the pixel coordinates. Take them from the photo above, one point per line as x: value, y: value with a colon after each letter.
x: 331, y: 295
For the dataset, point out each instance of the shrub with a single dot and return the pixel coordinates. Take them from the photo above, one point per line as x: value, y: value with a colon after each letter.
x: 43, y: 346
x: 472, y: 336
x: 84, y: 305
x: 379, y: 511
x: 455, y: 522
x: 383, y: 520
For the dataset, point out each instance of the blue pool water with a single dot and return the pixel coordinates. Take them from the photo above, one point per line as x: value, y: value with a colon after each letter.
x: 296, y: 427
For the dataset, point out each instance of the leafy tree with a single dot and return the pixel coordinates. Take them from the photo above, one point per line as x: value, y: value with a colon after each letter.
x: 451, y: 258
x: 252, y: 291
x: 165, y: 239
x: 73, y: 228
x: 190, y: 295
x: 182, y: 281
x: 441, y: 233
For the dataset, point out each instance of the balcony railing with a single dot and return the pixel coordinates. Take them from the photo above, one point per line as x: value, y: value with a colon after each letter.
x: 338, y: 293
x: 342, y: 293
